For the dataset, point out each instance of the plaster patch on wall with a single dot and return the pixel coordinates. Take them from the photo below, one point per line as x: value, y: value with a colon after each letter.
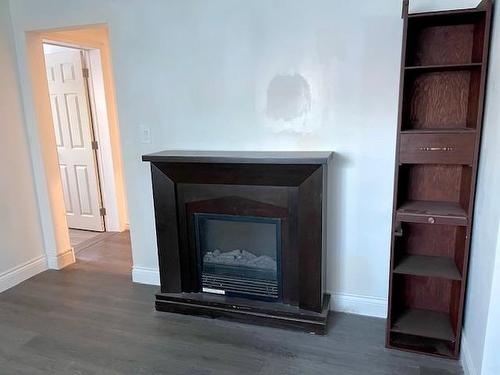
x: 288, y: 97
x: 288, y: 102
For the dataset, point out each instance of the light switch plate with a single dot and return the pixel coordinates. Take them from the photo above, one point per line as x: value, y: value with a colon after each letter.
x: 145, y: 134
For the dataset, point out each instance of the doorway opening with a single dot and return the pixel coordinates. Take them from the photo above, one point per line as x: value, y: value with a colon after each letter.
x: 79, y: 139
x: 73, y: 116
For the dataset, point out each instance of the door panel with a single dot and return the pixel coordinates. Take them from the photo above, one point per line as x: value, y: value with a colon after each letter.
x: 56, y: 119
x: 73, y: 113
x: 65, y: 184
x: 83, y: 185
x: 73, y: 134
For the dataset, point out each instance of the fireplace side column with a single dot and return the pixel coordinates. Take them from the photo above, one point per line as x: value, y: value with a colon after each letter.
x: 164, y: 195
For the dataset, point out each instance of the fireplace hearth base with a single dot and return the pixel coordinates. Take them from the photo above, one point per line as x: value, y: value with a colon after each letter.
x: 246, y: 311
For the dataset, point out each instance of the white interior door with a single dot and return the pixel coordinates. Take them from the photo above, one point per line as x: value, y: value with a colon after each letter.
x: 74, y: 139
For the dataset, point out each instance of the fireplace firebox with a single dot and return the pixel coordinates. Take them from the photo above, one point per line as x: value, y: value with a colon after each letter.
x: 239, y: 255
x: 242, y: 236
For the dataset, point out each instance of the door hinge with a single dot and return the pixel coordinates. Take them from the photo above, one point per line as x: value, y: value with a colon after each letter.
x: 85, y: 72
x: 95, y: 145
x: 102, y: 211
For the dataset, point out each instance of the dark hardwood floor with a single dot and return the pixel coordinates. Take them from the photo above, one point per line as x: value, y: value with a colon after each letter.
x: 90, y: 319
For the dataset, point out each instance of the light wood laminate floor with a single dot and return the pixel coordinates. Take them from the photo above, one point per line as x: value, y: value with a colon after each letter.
x: 91, y: 319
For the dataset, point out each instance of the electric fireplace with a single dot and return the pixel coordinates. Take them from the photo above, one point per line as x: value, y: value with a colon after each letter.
x: 242, y: 236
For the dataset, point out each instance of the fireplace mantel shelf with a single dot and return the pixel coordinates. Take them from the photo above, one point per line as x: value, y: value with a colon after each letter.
x: 240, y: 157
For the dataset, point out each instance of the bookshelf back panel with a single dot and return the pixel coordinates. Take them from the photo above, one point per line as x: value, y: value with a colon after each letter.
x: 428, y: 239
x: 420, y: 292
x: 440, y: 100
x: 433, y: 182
x: 442, y: 44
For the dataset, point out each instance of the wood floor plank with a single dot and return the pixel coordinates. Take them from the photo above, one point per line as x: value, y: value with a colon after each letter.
x: 91, y: 319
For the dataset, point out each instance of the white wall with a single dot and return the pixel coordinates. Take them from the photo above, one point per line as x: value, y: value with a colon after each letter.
x: 491, y: 360
x: 21, y: 250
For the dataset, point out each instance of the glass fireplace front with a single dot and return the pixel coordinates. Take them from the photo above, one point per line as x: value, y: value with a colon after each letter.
x: 239, y: 255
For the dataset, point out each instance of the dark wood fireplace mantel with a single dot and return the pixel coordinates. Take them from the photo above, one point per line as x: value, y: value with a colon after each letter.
x: 241, y: 157
x: 289, y: 186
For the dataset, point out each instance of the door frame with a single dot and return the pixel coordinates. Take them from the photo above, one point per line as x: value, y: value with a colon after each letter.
x: 39, y: 126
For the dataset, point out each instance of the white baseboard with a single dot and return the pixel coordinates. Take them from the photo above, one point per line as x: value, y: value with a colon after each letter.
x: 144, y: 275
x: 359, y: 305
x: 62, y: 260
x: 23, y: 272
x: 466, y: 357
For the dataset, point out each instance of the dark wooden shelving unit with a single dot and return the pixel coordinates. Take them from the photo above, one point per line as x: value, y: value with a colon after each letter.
x: 443, y: 77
